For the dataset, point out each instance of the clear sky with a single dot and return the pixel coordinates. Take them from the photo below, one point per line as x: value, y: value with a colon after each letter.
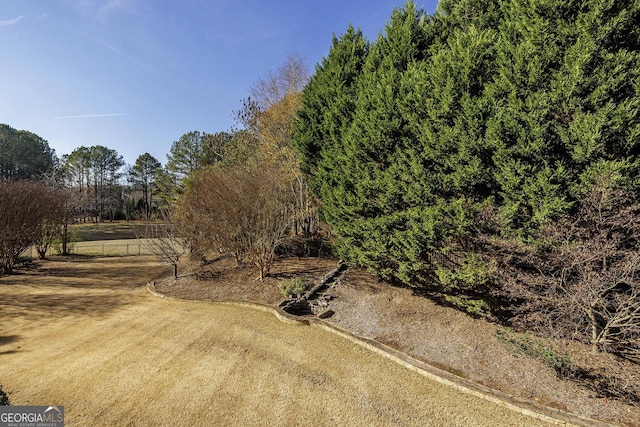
x: 135, y: 75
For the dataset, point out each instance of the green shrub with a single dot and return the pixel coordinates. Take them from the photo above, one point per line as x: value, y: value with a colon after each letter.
x: 471, y: 274
x: 538, y: 349
x: 292, y: 287
x: 24, y: 259
x: 476, y: 307
x: 4, y: 399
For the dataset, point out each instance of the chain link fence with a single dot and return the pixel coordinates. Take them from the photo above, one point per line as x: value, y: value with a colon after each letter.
x: 98, y: 248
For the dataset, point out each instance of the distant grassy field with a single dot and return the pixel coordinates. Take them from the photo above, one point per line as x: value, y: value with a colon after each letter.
x: 103, y: 239
x: 122, y: 247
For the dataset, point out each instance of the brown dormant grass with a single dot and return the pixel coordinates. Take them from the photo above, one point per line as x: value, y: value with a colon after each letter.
x: 84, y: 333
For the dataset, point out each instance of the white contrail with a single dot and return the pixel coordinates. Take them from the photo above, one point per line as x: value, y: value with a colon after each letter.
x: 84, y: 116
x: 12, y: 21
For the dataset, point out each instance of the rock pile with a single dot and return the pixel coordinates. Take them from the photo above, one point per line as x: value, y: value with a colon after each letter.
x: 315, y: 301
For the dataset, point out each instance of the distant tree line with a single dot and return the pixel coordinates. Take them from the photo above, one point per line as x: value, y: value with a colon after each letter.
x: 239, y: 171
x: 24, y: 155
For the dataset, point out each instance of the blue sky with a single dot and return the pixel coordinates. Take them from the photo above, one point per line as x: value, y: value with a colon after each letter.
x: 135, y: 75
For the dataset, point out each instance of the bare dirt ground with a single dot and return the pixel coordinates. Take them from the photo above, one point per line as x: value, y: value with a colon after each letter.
x: 85, y: 333
x: 440, y: 336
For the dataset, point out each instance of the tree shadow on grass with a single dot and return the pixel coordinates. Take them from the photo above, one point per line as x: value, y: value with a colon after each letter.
x: 122, y: 278
x: 77, y: 287
x: 86, y: 273
x: 57, y: 305
x: 6, y: 340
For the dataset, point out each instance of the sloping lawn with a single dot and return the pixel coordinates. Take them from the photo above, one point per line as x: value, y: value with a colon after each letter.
x: 84, y: 333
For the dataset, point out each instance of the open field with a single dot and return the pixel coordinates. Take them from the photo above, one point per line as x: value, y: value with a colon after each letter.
x: 102, y: 248
x: 84, y: 333
x: 441, y: 336
x: 101, y: 239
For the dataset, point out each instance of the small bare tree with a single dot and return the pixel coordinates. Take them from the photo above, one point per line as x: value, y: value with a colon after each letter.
x: 584, y: 282
x: 48, y: 235
x: 245, y: 211
x: 162, y: 240
x: 597, y: 278
x: 26, y: 208
x: 266, y: 220
x: 53, y: 203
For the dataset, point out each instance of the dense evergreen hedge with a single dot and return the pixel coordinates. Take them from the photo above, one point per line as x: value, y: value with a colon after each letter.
x: 485, y: 117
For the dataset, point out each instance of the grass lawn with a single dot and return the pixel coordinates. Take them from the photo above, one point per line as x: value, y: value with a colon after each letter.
x: 84, y: 333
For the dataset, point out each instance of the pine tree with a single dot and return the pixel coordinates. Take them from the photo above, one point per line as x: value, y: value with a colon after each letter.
x: 328, y: 101
x: 357, y: 188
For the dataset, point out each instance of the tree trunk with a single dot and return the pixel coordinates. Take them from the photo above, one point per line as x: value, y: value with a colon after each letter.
x: 594, y: 330
x: 65, y: 238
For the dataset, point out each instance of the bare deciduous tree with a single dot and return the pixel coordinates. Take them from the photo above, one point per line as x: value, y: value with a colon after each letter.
x: 26, y: 209
x: 54, y: 211
x: 50, y: 231
x: 584, y: 281
x: 243, y: 211
x: 163, y: 241
x: 269, y: 116
x: 598, y: 274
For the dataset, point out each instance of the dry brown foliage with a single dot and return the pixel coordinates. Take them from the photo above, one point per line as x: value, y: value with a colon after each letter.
x: 29, y: 213
x: 243, y: 211
x: 582, y: 279
x: 269, y: 115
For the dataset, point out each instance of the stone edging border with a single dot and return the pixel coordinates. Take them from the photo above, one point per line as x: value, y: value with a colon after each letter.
x: 516, y: 404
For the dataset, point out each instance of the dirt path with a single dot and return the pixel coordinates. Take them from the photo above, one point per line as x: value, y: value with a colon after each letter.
x: 88, y: 336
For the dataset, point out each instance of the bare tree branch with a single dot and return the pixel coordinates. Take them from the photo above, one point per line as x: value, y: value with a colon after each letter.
x: 162, y: 241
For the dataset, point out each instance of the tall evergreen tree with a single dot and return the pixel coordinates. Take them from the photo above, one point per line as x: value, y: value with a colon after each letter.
x: 328, y: 101
x: 143, y: 174
x: 94, y: 172
x: 24, y: 155
x: 565, y: 86
x: 355, y: 173
x: 185, y: 156
x: 510, y: 107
